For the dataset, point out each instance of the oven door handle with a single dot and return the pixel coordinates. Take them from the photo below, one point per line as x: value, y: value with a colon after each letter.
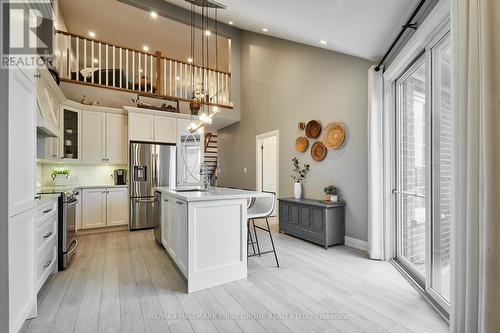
x: 72, y: 202
x: 74, y: 247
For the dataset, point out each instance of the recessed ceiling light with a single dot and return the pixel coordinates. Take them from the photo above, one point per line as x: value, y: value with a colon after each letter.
x: 145, y: 48
x: 265, y: 29
x: 96, y: 61
x: 153, y: 14
x: 324, y: 42
x: 207, y: 33
x: 190, y: 60
x: 140, y: 70
x: 177, y: 78
x: 230, y: 22
x: 91, y: 34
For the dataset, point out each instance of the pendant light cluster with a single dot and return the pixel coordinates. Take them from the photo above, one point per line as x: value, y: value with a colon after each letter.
x: 200, y: 97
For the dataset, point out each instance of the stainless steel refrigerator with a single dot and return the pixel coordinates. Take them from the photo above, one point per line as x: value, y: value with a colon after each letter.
x: 151, y: 165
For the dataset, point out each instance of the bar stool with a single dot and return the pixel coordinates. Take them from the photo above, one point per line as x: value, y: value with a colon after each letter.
x: 260, y: 208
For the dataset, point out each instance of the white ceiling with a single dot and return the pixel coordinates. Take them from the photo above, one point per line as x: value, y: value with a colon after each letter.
x: 363, y: 28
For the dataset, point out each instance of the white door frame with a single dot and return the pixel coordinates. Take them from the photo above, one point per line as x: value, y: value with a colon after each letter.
x: 258, y: 158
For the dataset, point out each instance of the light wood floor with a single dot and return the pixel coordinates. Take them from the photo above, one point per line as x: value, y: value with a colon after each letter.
x: 123, y: 282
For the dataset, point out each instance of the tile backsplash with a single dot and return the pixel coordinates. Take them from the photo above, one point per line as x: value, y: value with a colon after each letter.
x: 79, y: 174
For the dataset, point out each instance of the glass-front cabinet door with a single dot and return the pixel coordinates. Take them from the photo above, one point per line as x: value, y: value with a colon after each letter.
x: 70, y: 140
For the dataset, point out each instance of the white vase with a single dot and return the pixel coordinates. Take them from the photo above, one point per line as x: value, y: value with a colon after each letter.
x: 334, y: 198
x: 297, y: 190
x: 60, y: 180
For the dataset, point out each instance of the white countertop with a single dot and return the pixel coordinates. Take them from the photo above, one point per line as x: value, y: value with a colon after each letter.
x: 212, y: 193
x: 100, y: 186
x: 46, y: 198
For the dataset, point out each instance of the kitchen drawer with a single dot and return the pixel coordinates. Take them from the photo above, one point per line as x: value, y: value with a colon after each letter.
x: 46, y: 232
x: 45, y: 264
x: 46, y: 211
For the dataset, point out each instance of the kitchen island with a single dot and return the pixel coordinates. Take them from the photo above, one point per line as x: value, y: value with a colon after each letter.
x: 205, y: 233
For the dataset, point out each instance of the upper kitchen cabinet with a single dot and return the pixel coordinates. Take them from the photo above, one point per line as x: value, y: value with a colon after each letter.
x: 152, y: 127
x: 104, y: 137
x: 116, y: 138
x: 71, y: 134
x: 48, y: 116
x: 141, y: 127
x: 22, y: 143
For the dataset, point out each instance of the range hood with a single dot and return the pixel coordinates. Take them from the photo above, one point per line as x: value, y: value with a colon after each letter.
x: 44, y: 127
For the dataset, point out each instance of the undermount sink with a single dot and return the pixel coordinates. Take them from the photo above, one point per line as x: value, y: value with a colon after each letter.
x: 191, y: 190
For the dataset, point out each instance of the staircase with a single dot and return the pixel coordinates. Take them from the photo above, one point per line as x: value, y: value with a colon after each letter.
x: 210, y: 155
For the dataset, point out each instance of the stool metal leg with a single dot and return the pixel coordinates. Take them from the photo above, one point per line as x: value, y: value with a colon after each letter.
x: 250, y: 239
x: 256, y: 239
x: 272, y: 242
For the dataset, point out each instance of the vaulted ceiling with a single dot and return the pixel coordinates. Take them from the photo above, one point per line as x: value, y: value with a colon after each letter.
x: 363, y: 28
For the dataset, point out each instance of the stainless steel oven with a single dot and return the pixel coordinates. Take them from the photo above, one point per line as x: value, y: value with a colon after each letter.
x: 66, y: 222
x: 67, y: 240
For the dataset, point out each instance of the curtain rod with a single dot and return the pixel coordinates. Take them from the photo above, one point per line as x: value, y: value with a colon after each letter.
x: 406, y: 26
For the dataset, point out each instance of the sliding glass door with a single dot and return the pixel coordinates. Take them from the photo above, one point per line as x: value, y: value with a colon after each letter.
x: 424, y: 170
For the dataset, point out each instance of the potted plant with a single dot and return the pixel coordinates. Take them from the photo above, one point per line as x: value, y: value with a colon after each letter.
x: 60, y: 176
x: 298, y: 175
x: 330, y: 190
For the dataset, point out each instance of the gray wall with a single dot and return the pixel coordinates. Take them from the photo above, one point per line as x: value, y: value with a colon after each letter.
x: 283, y: 83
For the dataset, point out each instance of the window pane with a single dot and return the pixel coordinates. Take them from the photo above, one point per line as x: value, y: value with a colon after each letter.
x: 443, y: 169
x: 413, y: 164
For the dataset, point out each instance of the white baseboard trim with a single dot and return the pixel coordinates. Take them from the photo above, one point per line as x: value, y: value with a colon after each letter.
x: 356, y: 243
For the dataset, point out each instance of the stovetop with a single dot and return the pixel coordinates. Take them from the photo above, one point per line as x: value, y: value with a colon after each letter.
x: 67, y: 192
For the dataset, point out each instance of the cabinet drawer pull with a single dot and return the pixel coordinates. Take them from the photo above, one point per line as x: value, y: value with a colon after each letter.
x: 47, y: 264
x: 47, y: 235
x: 180, y: 202
x: 47, y: 211
x: 38, y: 197
x: 165, y: 199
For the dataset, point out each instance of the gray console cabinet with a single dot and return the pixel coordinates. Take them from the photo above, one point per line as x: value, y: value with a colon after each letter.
x: 313, y: 220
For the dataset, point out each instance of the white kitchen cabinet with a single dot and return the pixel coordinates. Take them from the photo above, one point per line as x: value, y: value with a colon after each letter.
x: 117, y: 206
x: 181, y: 234
x: 152, y: 128
x: 93, y: 137
x: 104, y: 137
x: 70, y: 139
x: 22, y: 284
x: 104, y: 207
x: 116, y: 138
x: 166, y: 217
x: 174, y: 229
x: 22, y: 143
x: 141, y: 127
x: 93, y: 208
x: 165, y: 129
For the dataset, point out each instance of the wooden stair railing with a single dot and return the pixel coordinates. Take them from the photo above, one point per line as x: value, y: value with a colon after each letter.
x: 92, y: 62
x: 210, y: 155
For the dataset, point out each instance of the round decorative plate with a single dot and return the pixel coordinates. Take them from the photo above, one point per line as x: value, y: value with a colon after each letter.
x: 318, y: 151
x: 333, y: 135
x: 313, y: 129
x: 301, y: 144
